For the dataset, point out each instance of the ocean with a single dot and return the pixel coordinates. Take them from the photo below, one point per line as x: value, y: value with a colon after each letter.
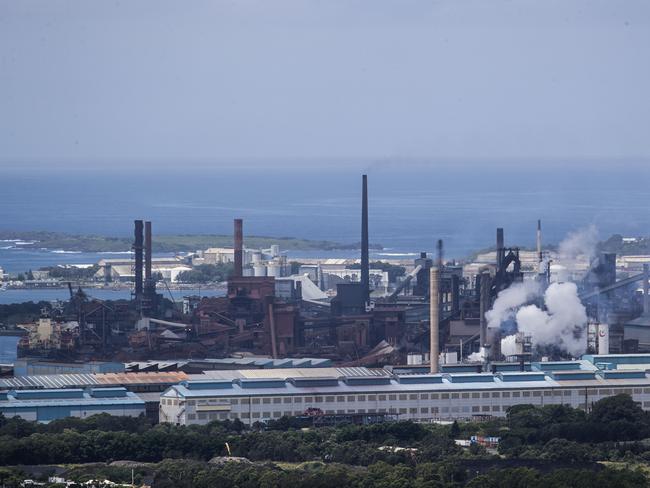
x: 410, y: 208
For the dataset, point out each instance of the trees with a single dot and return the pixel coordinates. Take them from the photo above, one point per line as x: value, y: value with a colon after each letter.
x: 206, y: 273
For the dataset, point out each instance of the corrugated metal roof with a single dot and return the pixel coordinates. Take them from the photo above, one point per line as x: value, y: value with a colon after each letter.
x: 395, y: 387
x: 90, y: 379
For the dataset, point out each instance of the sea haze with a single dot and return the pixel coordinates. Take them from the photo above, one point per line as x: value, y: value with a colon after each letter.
x: 410, y: 207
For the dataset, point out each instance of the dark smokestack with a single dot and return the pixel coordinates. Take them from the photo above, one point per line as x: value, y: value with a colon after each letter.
x: 147, y: 251
x: 239, y: 249
x: 500, y: 248
x: 138, y: 248
x: 365, y: 263
x: 440, y: 254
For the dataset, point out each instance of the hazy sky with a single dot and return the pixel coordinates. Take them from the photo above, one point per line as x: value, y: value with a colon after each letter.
x: 105, y: 82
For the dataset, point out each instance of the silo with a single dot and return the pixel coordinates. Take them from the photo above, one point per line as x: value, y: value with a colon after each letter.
x: 274, y: 269
x: 275, y: 250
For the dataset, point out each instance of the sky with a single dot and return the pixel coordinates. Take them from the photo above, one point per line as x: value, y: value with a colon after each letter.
x: 323, y: 83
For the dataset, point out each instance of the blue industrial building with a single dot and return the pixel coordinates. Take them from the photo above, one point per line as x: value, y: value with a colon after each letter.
x: 52, y: 404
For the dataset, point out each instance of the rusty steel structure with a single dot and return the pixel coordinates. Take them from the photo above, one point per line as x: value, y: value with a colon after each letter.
x: 239, y: 249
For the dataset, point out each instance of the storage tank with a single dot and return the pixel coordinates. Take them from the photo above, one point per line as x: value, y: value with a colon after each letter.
x: 274, y: 269
x: 259, y: 269
x: 256, y: 258
x: 275, y: 250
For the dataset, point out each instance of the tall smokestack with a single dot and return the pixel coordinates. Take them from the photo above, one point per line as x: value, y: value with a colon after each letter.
x: 484, y: 306
x: 365, y: 263
x: 239, y: 249
x: 434, y: 319
x: 147, y: 252
x: 440, y: 254
x: 500, y: 248
x: 539, y: 241
x: 138, y: 248
x: 646, y: 295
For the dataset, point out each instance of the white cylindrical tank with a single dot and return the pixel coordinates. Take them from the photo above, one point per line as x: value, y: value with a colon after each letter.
x: 274, y: 269
x: 413, y: 358
x: 603, y: 338
x: 259, y: 270
x: 450, y: 357
x: 275, y: 250
x: 256, y: 257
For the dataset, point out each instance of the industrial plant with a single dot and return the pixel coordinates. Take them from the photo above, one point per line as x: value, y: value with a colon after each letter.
x: 424, y: 339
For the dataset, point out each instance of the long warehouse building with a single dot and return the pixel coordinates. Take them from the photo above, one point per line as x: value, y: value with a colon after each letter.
x: 419, y: 397
x: 48, y: 405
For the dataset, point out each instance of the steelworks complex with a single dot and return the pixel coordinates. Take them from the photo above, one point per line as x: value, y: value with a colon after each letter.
x: 418, y: 346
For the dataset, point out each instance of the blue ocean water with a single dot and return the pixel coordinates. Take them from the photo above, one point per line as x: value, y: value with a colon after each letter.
x: 410, y: 207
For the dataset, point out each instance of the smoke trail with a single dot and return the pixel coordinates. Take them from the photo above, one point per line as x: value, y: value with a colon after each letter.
x: 564, y: 322
x: 509, y: 345
x: 509, y: 300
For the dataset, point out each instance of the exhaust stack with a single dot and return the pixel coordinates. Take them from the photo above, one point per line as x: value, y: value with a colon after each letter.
x: 501, y: 253
x: 434, y: 319
x: 147, y: 253
x: 646, y: 295
x: 484, y: 305
x: 239, y: 249
x: 138, y: 248
x: 539, y: 241
x: 365, y: 261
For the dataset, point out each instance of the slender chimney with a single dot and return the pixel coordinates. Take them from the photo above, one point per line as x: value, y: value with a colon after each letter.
x: 365, y: 263
x: 147, y: 252
x: 646, y: 295
x: 138, y: 248
x: 500, y: 248
x: 484, y: 306
x: 434, y: 319
x: 239, y: 249
x: 440, y: 254
x: 539, y: 241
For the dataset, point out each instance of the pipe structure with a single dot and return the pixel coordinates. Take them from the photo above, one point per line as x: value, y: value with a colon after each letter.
x: 405, y: 282
x: 484, y: 305
x: 138, y: 248
x: 434, y: 319
x: 365, y: 262
x: 239, y: 249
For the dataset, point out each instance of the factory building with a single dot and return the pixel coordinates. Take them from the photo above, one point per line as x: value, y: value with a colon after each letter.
x: 123, y: 270
x: 48, y: 405
x: 264, y: 396
x: 147, y: 386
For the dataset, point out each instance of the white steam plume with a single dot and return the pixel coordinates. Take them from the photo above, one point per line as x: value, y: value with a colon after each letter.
x: 509, y: 345
x: 563, y: 323
x: 509, y: 300
x: 581, y: 243
x: 476, y: 357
